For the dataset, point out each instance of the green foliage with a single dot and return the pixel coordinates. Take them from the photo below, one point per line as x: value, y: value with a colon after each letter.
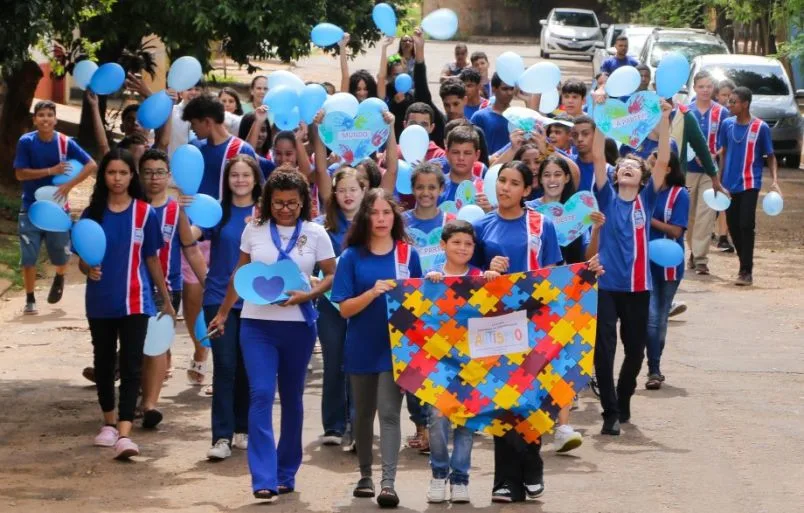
x: 673, y: 13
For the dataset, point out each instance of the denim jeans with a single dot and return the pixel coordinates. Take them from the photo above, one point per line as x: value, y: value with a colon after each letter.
x: 417, y: 410
x: 661, y: 298
x: 230, y: 394
x: 455, y: 467
x: 337, y: 409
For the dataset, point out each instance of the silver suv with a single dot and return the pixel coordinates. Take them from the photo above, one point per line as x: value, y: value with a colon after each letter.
x: 571, y: 32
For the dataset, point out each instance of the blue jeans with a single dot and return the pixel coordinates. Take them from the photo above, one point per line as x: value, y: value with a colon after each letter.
x: 418, y: 411
x: 443, y: 466
x: 661, y: 298
x: 276, y: 353
x: 337, y: 409
x: 229, y: 382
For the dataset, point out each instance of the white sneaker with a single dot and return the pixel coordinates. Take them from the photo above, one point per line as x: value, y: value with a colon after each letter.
x: 220, y: 451
x: 677, y: 308
x: 437, y: 491
x: 240, y: 441
x: 459, y: 494
x: 567, y: 439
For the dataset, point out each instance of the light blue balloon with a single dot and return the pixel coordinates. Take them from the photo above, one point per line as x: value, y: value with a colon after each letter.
x: 404, y: 172
x: 623, y: 82
x: 155, y: 110
x: 75, y: 168
x: 200, y: 329
x: 285, y: 78
x: 107, y: 79
x: 540, y: 78
x: 773, y: 203
x: 160, y: 335
x: 326, y: 34
x: 370, y: 105
x: 414, y: 142
x: 82, y: 73
x: 470, y: 213
x: 205, y: 211
x: 717, y: 201
x: 385, y: 19
x: 281, y: 99
x: 665, y: 252
x: 342, y: 102
x: 403, y: 83
x: 510, y: 67
x: 490, y: 183
x: 187, y: 168
x: 672, y: 73
x: 311, y: 100
x: 288, y: 120
x: 441, y: 24
x: 89, y: 241
x: 185, y: 73
x: 49, y: 217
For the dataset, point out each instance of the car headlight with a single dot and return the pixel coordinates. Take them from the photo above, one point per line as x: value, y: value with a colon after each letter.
x: 789, y: 122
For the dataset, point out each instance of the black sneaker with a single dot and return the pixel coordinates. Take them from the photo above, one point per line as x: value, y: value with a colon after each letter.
x: 56, y: 289
x: 724, y: 246
x: 610, y: 427
x: 266, y: 495
x: 534, y: 491
x: 501, y: 495
x: 151, y: 419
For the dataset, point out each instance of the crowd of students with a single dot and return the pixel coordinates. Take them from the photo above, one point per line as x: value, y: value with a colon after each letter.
x: 285, y: 197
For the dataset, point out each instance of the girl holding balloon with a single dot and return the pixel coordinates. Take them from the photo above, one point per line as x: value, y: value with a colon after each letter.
x: 118, y: 292
x: 277, y: 339
x: 336, y: 399
x: 359, y: 84
x: 377, y: 250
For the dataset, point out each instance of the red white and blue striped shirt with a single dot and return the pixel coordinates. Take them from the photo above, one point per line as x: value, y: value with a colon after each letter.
x: 672, y: 207
x: 170, y: 253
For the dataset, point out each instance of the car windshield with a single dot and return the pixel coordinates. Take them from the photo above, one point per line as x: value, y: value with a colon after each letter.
x: 574, y: 19
x: 760, y: 79
x: 690, y: 49
x: 636, y: 40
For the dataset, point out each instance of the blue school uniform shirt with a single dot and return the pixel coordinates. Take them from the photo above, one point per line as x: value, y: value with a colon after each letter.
x: 224, y: 252
x: 672, y: 207
x: 336, y: 237
x: 645, y: 148
x: 624, y: 238
x: 215, y: 158
x: 425, y: 225
x: 170, y: 252
x: 125, y: 287
x: 494, y: 126
x: 34, y: 153
x: 267, y: 167
x: 509, y: 238
x: 368, y: 346
x: 710, y: 123
x: 612, y: 63
x: 587, y: 170
x: 745, y: 146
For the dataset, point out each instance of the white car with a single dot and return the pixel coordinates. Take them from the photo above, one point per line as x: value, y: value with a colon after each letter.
x: 571, y: 32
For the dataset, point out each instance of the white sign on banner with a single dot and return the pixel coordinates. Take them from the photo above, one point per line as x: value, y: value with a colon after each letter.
x: 494, y: 336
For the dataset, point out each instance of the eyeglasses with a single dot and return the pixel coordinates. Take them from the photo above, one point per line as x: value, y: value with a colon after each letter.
x: 155, y: 173
x: 629, y: 164
x: 290, y: 205
x: 350, y: 190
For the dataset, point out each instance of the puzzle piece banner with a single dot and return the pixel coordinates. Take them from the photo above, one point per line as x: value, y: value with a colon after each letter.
x: 524, y: 391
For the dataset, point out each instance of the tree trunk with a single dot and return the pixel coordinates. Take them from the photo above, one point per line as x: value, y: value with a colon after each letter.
x: 15, y: 115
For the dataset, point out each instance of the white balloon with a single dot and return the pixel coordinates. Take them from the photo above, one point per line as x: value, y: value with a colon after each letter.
x: 623, y: 82
x: 470, y: 213
x: 47, y: 193
x: 342, y: 102
x: 509, y: 66
x: 716, y: 201
x: 414, y: 142
x: 549, y: 101
x: 440, y: 24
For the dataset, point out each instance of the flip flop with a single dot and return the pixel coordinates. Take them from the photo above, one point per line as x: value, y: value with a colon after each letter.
x: 388, y: 498
x: 364, y: 488
x: 199, y: 368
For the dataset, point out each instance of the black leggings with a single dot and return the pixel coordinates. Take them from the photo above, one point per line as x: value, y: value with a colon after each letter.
x: 131, y: 331
x: 516, y: 463
x: 741, y: 217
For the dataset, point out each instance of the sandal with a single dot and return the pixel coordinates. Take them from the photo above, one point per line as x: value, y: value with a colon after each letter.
x: 654, y: 382
x: 388, y: 498
x: 199, y: 369
x: 282, y: 489
x: 208, y: 390
x: 364, y: 488
x: 265, y: 495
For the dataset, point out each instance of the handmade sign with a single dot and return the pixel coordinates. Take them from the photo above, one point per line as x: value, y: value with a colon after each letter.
x: 629, y: 122
x: 428, y: 245
x: 465, y: 194
x: 571, y: 219
x: 354, y: 138
x: 520, y: 118
x: 264, y: 284
x: 448, y: 207
x: 429, y: 325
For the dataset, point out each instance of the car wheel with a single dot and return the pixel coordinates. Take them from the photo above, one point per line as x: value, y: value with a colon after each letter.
x: 545, y: 55
x: 793, y: 161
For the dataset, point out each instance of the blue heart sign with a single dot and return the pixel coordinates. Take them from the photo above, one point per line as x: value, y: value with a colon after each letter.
x: 354, y: 138
x: 264, y: 284
x: 428, y: 245
x: 629, y: 122
x: 571, y: 219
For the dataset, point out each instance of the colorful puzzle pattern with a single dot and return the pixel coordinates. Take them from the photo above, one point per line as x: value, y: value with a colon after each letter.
x: 522, y: 391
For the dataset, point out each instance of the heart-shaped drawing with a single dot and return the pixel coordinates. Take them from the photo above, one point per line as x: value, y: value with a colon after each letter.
x: 264, y: 284
x: 448, y: 207
x: 354, y: 138
x: 520, y: 118
x: 465, y: 194
x: 428, y: 245
x: 571, y: 219
x: 629, y: 122
x: 268, y: 288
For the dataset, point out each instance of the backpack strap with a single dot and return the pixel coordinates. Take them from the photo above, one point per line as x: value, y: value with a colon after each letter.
x: 402, y: 260
x: 535, y: 222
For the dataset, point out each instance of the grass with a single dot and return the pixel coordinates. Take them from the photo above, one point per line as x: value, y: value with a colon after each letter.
x: 10, y: 260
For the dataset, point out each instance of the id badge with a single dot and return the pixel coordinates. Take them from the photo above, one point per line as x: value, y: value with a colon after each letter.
x: 402, y: 272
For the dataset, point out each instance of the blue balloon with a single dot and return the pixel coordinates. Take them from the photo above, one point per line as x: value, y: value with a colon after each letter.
x: 385, y: 19
x: 311, y: 100
x: 82, y: 73
x: 623, y: 82
x: 403, y: 83
x: 286, y: 78
x: 510, y: 67
x: 717, y: 201
x: 185, y: 73
x: 107, y: 79
x: 490, y: 183
x: 89, y: 241
x: 326, y: 34
x: 49, y: 217
x: 288, y: 120
x: 155, y: 110
x: 665, y: 252
x: 404, y: 172
x: 441, y: 24
x: 414, y: 142
x: 470, y: 213
x: 281, y: 99
x: 370, y: 105
x: 200, y: 329
x: 75, y: 168
x: 773, y: 203
x: 672, y: 73
x: 540, y: 78
x: 187, y: 168
x: 205, y: 211
x: 160, y: 335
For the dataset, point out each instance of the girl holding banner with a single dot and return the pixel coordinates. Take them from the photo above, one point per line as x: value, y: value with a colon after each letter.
x: 378, y: 250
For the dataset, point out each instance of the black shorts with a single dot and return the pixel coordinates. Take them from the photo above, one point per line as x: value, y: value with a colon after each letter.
x: 175, y: 299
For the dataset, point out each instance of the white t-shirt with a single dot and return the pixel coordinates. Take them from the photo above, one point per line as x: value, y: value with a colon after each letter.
x: 179, y: 129
x: 313, y: 246
x: 232, y: 123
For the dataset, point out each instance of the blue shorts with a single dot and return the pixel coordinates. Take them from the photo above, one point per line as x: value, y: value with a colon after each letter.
x: 57, y: 243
